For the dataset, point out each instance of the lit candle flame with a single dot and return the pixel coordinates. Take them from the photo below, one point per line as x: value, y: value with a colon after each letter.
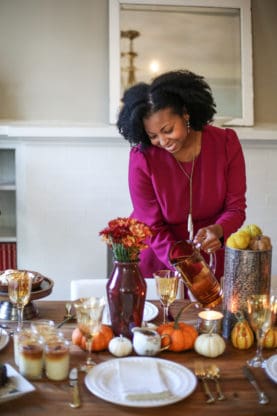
x: 210, y: 315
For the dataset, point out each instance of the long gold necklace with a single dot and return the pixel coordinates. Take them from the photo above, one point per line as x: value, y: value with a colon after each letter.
x: 190, y: 220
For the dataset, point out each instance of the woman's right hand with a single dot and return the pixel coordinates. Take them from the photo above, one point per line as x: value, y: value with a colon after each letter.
x: 209, y: 238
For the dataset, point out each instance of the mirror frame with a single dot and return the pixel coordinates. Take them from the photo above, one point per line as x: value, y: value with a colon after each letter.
x: 247, y: 118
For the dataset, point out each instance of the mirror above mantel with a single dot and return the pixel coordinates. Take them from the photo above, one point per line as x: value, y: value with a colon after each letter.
x: 209, y: 37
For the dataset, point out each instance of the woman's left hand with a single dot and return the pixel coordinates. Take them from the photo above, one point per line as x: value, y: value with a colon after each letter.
x: 209, y: 238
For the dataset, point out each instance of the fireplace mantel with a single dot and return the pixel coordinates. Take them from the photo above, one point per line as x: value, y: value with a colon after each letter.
x: 107, y: 133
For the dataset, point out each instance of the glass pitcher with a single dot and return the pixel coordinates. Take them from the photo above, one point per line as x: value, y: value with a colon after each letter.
x: 196, y: 274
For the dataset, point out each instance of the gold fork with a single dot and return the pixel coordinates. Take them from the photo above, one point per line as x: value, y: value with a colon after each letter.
x: 201, y: 374
x: 68, y: 308
x: 213, y: 373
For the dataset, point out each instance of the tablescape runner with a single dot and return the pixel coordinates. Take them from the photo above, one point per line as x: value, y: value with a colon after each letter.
x: 142, y: 381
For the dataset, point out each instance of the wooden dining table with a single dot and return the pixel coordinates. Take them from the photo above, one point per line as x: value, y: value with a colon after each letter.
x: 52, y: 397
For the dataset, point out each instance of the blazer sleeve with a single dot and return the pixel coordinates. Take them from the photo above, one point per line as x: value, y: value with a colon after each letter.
x: 146, y: 206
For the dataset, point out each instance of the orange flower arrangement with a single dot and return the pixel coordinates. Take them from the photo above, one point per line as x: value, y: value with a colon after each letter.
x: 126, y: 237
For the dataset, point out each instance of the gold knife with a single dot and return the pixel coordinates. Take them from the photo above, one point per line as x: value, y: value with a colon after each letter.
x: 73, y: 382
x: 263, y: 399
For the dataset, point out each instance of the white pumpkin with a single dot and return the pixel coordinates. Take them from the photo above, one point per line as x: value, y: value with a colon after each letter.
x: 120, y: 346
x: 209, y: 345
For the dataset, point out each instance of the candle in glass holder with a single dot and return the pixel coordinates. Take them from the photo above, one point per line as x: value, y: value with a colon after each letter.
x: 246, y: 272
x: 229, y: 311
x: 209, y: 321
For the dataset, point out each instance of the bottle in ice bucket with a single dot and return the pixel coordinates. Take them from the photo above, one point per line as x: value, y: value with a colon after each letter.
x: 195, y: 273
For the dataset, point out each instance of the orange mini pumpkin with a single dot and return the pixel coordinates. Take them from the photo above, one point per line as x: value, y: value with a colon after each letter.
x: 182, y: 335
x: 100, y: 341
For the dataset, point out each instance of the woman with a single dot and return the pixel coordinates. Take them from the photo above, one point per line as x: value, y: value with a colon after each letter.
x: 186, y: 177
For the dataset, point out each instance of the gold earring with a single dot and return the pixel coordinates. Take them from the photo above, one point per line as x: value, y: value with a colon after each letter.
x: 188, y: 125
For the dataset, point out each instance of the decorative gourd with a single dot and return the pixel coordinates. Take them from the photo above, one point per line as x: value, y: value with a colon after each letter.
x: 239, y: 240
x: 100, y: 341
x: 253, y: 230
x: 261, y: 242
x: 210, y: 345
x: 270, y: 340
x: 182, y: 335
x: 120, y: 346
x: 242, y: 336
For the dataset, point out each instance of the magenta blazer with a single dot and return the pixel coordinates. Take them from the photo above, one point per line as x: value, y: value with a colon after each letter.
x: 159, y: 192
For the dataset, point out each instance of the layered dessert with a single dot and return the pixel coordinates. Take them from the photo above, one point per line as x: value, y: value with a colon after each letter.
x: 19, y: 335
x: 44, y: 328
x: 56, y: 356
x: 30, y: 358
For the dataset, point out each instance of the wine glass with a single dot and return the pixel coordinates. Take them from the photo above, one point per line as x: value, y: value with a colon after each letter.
x: 19, y: 289
x: 89, y: 312
x: 261, y: 311
x: 167, y: 282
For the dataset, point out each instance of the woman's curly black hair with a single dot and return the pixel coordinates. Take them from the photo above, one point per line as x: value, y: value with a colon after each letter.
x: 182, y: 91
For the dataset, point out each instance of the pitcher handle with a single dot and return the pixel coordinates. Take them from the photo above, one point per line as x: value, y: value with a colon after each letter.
x: 212, y: 263
x: 169, y: 341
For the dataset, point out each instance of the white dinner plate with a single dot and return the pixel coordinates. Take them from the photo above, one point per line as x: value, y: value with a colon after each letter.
x: 102, y: 381
x: 271, y: 367
x: 4, y: 338
x: 16, y: 387
x: 149, y: 313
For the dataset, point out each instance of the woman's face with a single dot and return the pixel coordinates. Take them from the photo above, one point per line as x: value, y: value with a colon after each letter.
x: 167, y: 130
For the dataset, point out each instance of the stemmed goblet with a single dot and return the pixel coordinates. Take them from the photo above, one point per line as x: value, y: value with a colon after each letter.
x: 261, y: 312
x: 167, y: 282
x: 19, y: 290
x: 89, y: 312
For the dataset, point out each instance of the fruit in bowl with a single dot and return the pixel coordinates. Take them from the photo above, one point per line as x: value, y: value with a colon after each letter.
x: 4, y: 277
x: 261, y: 242
x: 253, y: 230
x: 239, y: 240
x: 250, y: 237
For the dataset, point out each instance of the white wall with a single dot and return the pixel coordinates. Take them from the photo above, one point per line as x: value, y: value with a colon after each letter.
x: 54, y: 60
x: 66, y: 194
x: 261, y: 159
x: 261, y: 162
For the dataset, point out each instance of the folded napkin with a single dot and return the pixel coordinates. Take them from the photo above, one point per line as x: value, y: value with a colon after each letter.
x: 141, y: 380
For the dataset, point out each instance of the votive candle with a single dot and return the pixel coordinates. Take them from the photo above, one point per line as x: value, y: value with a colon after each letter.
x: 210, y: 321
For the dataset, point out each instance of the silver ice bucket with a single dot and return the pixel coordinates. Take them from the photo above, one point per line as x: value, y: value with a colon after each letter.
x: 246, y: 272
